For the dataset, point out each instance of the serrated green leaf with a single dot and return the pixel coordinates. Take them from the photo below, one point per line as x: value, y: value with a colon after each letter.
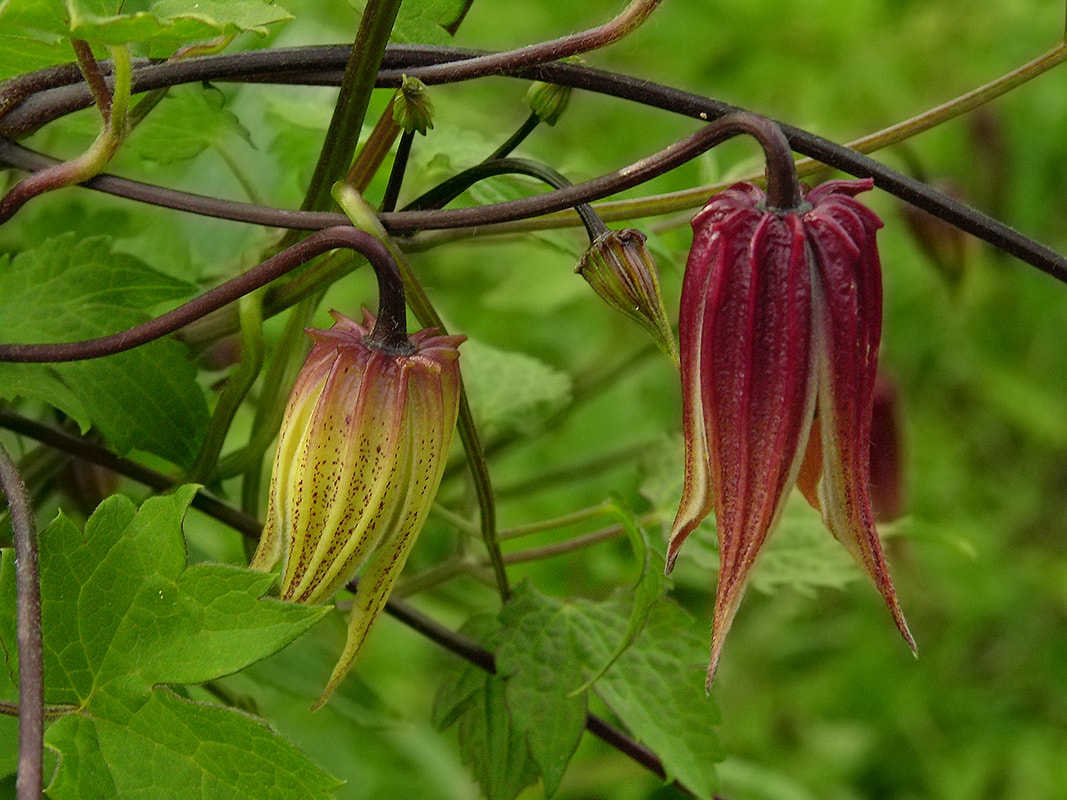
x: 67, y: 290
x: 655, y: 686
x: 167, y: 747
x: 151, y: 617
x: 122, y: 614
x: 474, y: 701
x: 169, y: 21
x: 495, y: 751
x: 511, y: 393
x: 460, y: 685
x: 537, y: 656
x: 188, y: 121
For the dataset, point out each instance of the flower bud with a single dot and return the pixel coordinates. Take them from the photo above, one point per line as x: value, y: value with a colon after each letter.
x: 360, y: 455
x: 548, y: 101
x: 620, y: 269
x: 412, y: 109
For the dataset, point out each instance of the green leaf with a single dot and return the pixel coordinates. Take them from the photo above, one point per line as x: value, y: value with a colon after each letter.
x: 423, y: 21
x: 168, y: 747
x: 489, y: 743
x: 121, y: 614
x: 511, y: 393
x: 538, y: 656
x: 170, y: 21
x: 188, y: 121
x: 655, y: 686
x: 32, y: 36
x: 147, y: 397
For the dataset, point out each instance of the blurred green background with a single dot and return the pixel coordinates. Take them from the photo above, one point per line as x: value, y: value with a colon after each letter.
x: 819, y: 698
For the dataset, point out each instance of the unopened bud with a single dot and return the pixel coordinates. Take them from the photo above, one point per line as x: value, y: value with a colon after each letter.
x: 412, y: 109
x: 620, y: 269
x: 548, y: 100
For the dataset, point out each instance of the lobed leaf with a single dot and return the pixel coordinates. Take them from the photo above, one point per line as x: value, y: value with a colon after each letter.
x: 655, y: 685
x: 122, y: 614
x: 147, y: 397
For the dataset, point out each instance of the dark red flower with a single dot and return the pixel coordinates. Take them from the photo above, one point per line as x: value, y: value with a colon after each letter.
x: 779, y: 329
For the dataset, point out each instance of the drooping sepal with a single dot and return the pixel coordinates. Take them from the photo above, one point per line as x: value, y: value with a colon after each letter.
x: 360, y: 455
x: 779, y: 328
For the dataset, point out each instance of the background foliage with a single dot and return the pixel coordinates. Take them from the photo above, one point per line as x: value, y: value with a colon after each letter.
x: 816, y: 696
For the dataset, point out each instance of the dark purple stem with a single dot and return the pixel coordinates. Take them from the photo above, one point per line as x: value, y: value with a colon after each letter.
x: 323, y: 66
x: 31, y: 657
x: 389, y: 333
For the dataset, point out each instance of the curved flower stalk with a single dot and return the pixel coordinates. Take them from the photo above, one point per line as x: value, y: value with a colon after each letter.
x: 780, y: 325
x: 360, y: 456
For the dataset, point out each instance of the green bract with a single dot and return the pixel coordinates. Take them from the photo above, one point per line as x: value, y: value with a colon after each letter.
x: 359, y: 459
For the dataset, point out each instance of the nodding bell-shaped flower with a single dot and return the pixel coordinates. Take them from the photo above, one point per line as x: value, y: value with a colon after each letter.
x: 780, y: 324
x: 359, y: 459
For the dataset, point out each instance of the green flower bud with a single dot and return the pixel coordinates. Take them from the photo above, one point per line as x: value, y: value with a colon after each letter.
x: 620, y: 269
x: 412, y: 109
x: 360, y: 455
x: 548, y: 100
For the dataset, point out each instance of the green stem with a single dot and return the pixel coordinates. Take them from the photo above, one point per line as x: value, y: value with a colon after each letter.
x: 352, y: 101
x: 565, y: 547
x: 458, y: 521
x: 561, y: 521
x: 363, y: 217
x: 92, y: 161
x: 238, y: 385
